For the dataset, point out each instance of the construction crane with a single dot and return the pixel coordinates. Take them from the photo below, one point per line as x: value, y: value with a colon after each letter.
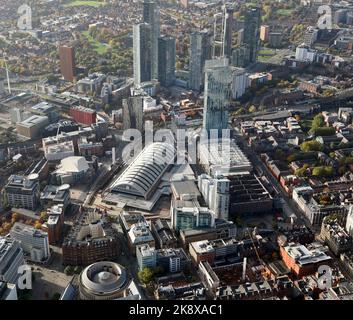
x: 254, y: 246
x: 3, y: 64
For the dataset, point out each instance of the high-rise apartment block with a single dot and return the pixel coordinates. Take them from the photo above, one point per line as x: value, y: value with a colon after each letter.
x: 166, y: 61
x: 67, y: 63
x: 200, y: 51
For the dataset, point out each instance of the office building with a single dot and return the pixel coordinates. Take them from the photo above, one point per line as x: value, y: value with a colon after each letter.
x: 83, y: 115
x: 133, y: 113
x: 146, y: 256
x: 228, y: 35
x: 200, y: 51
x: 59, y: 151
x: 67, y: 63
x: 216, y: 194
x: 166, y: 61
x: 305, y: 54
x: 32, y: 126
x: 163, y: 234
x: 54, y: 224
x: 139, y: 234
x: 8, y: 291
x: 55, y: 195
x: 310, y: 36
x: 142, y: 53
x: 218, y: 80
x: 337, y: 239
x: 223, y: 157
x: 221, y: 229
x: 302, y: 260
x: 23, y: 192
x: 34, y: 243
x: 239, y: 56
x: 171, y: 260
x: 190, y: 215
x: 91, y: 84
x: 264, y: 32
x: 91, y: 239
x: 151, y: 16
x: 251, y: 33
x: 46, y: 109
x: 11, y: 258
x: 240, y: 82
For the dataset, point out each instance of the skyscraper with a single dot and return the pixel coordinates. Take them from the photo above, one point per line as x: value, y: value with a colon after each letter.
x: 218, y: 80
x: 252, y: 33
x: 229, y: 25
x: 151, y: 16
x: 67, y: 63
x: 166, y: 60
x: 133, y: 113
x: 200, y: 51
x: 142, y: 53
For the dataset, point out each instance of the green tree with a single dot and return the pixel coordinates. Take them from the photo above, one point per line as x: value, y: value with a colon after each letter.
x: 318, y: 122
x: 145, y: 275
x: 311, y: 145
x: 69, y: 270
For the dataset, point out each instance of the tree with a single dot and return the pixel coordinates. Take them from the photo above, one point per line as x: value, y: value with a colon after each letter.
x: 37, y: 225
x: 323, y: 131
x: 318, y: 122
x: 322, y: 171
x: 14, y: 218
x: 311, y: 145
x: 252, y: 109
x: 69, y: 270
x: 43, y: 216
x: 145, y: 276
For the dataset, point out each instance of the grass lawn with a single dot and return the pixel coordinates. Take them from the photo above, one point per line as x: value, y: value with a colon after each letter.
x: 285, y: 12
x: 100, y: 48
x: 265, y: 54
x: 91, y: 3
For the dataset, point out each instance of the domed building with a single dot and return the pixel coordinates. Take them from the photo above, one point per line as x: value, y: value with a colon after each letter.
x: 103, y: 280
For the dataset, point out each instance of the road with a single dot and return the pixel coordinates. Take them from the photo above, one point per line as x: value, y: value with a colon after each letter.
x: 289, y: 204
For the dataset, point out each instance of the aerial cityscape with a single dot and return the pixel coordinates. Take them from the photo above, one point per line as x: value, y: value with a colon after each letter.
x: 176, y: 150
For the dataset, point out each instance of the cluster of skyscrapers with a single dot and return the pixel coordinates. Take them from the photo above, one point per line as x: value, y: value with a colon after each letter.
x: 213, y: 62
x: 154, y: 55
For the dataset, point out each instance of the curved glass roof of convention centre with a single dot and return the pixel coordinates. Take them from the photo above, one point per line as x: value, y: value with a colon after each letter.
x: 146, y: 170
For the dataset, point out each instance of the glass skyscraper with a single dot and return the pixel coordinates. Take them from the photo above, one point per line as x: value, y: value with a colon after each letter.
x: 218, y: 80
x: 200, y: 51
x: 142, y: 53
x: 251, y: 33
x: 151, y: 16
x: 166, y: 60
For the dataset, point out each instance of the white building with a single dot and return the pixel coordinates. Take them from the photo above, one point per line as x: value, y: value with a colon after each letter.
x: 349, y: 223
x: 310, y: 35
x: 305, y: 54
x: 223, y: 157
x: 11, y: 258
x: 216, y: 194
x: 240, y: 82
x: 59, y: 151
x: 34, y: 242
x: 190, y: 215
x: 146, y: 256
